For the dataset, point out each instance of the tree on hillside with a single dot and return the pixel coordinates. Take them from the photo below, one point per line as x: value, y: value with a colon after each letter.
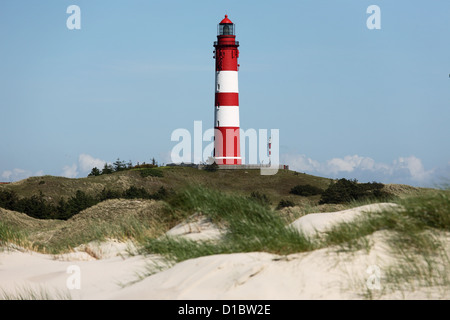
x: 36, y: 206
x: 130, y: 165
x: 107, y: 169
x: 94, y: 172
x: 79, y: 202
x: 119, y: 165
x: 8, y: 199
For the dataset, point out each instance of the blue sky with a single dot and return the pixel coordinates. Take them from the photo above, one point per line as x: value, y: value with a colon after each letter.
x: 349, y: 102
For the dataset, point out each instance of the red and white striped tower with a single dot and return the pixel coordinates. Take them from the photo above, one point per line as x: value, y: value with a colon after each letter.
x: 226, y: 116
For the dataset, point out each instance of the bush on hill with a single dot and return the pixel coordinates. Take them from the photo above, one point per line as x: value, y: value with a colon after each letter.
x: 120, y: 165
x: 213, y: 167
x: 150, y: 172
x: 348, y: 190
x: 284, y: 204
x: 261, y: 198
x: 306, y: 190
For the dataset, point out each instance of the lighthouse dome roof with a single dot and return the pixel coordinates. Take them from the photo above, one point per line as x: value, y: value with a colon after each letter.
x: 226, y: 20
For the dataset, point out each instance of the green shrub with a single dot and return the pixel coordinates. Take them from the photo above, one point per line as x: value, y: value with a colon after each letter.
x: 306, y: 190
x: 261, y: 198
x: 349, y: 190
x: 136, y: 193
x: 161, y: 194
x: 36, y: 206
x: 285, y: 203
x: 145, y: 166
x: 75, y: 204
x: 109, y: 194
x: 213, y: 167
x: 8, y: 199
x: 150, y: 172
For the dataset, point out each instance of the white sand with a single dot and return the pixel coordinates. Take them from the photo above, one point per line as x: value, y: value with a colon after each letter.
x: 321, y: 274
x: 197, y: 228
x: 316, y: 223
x: 22, y: 270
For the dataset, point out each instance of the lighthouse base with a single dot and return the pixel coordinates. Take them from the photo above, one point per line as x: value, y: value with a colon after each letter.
x: 227, y: 146
x: 247, y: 166
x: 228, y: 160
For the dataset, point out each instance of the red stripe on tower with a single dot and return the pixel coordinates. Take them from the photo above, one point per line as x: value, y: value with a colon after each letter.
x: 227, y: 99
x: 226, y: 115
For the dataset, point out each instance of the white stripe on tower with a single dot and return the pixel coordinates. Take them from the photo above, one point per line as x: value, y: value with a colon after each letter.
x: 227, y: 116
x: 227, y: 82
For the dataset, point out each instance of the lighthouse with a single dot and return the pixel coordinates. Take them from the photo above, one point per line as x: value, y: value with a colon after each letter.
x: 226, y: 110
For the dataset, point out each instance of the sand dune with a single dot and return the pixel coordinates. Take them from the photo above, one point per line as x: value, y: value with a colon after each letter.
x: 108, y: 271
x: 317, y: 223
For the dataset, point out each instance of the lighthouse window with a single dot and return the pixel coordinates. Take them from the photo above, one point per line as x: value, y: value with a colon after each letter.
x: 226, y: 29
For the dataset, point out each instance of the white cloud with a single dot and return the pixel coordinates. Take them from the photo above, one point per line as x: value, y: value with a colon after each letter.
x: 301, y: 162
x: 87, y: 162
x: 415, y: 168
x: 348, y: 164
x: 70, y: 171
x: 6, y: 174
x: 39, y: 173
x: 18, y: 174
x: 407, y: 170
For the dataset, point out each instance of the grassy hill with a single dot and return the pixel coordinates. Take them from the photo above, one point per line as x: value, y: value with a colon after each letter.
x: 138, y: 218
x: 242, y: 182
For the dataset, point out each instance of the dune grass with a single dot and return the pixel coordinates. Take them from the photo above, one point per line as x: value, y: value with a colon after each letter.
x: 418, y: 232
x: 113, y: 219
x: 411, y: 223
x: 250, y: 226
x: 255, y: 227
x: 421, y: 243
x: 414, y: 230
x: 11, y: 234
x: 34, y: 293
